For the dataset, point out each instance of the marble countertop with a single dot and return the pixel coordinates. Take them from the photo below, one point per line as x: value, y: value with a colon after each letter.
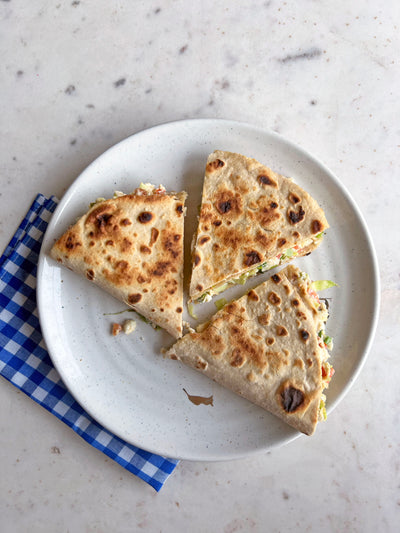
x: 78, y: 76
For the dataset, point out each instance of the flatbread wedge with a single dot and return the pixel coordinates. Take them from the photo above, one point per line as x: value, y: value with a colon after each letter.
x: 132, y: 247
x: 268, y: 348
x: 251, y: 220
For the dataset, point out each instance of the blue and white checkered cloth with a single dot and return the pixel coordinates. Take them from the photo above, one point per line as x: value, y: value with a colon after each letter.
x: 25, y: 362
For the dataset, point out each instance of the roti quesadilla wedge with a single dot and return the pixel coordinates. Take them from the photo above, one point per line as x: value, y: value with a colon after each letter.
x: 251, y: 220
x: 132, y: 247
x: 266, y: 347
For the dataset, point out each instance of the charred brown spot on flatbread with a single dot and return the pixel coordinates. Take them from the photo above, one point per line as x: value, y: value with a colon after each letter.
x: 109, y: 242
x: 237, y: 359
x: 291, y: 398
x: 265, y: 240
x: 91, y: 243
x: 145, y: 217
x: 224, y: 207
x: 214, y: 165
x: 212, y: 340
x: 252, y: 258
x: 141, y: 279
x: 230, y: 239
x: 134, y: 298
x: 276, y: 361
x: 293, y: 198
x: 301, y: 315
x: 270, y: 341
x: 281, y: 331
x: 100, y: 217
x: 287, y: 288
x: 125, y: 222
x: 171, y: 286
x: 154, y: 236
x: 264, y: 319
x: 316, y: 226
x: 71, y: 242
x: 252, y: 295
x: 196, y: 259
x: 245, y: 345
x: 217, y: 223
x: 227, y: 203
x: 126, y: 245
x: 296, y: 217
x: 179, y: 310
x: 296, y: 234
x: 199, y: 287
x: 204, y: 239
x: 265, y: 180
x: 268, y: 215
x: 274, y: 298
x: 276, y: 279
x: 304, y: 335
x: 161, y: 268
x: 173, y: 357
x: 170, y: 244
x: 103, y: 219
x: 295, y: 302
x: 121, y: 265
x: 299, y: 363
x: 281, y: 242
x: 90, y: 274
x: 179, y: 209
x: 145, y: 249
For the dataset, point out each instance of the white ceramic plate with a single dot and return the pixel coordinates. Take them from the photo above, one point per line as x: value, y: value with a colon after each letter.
x: 123, y: 381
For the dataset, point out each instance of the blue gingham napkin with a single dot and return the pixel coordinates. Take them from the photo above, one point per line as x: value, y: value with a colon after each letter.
x: 25, y: 362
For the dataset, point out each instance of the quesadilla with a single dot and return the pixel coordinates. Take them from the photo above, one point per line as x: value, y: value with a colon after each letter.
x: 132, y: 247
x: 251, y: 220
x: 268, y: 347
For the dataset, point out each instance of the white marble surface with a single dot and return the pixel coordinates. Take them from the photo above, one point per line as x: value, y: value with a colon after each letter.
x: 78, y: 76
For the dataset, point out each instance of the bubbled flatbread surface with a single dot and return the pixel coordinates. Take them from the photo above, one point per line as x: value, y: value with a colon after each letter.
x: 263, y: 347
x: 132, y: 247
x: 249, y: 214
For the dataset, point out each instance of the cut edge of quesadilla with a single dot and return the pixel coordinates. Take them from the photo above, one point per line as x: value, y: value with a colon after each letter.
x: 245, y: 208
x: 241, y: 278
x: 266, y: 347
x: 131, y: 246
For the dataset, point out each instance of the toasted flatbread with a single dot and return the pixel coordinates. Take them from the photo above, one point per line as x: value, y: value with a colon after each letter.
x: 265, y: 347
x: 132, y: 247
x: 251, y: 220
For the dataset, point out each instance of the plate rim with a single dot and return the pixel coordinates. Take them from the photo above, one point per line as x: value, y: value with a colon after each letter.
x: 375, y: 290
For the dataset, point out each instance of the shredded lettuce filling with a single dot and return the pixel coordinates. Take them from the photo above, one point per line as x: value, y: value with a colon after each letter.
x: 322, y: 284
x: 326, y: 339
x: 219, y: 304
x: 241, y: 280
x: 322, y: 408
x: 191, y: 311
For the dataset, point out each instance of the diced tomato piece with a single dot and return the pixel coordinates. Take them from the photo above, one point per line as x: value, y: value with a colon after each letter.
x: 116, y: 329
x: 313, y: 294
